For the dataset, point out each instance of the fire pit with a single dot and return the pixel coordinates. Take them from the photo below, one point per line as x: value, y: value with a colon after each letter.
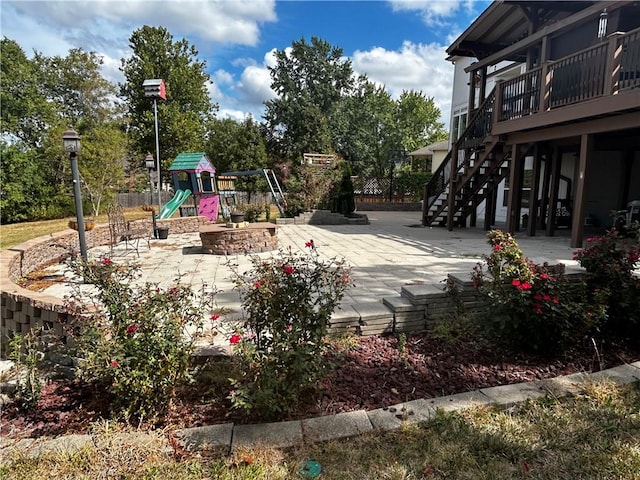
x: 227, y: 240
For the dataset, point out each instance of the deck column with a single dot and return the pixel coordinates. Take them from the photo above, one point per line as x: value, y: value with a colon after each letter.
x: 577, y: 226
x: 556, y: 166
x: 515, y: 190
x: 534, y: 195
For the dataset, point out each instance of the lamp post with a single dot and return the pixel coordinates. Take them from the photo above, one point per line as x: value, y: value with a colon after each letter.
x: 149, y: 162
x: 154, y: 88
x: 71, y: 144
x: 396, y: 159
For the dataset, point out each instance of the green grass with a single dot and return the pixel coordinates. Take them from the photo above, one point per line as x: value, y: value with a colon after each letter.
x: 16, y: 233
x: 593, y: 435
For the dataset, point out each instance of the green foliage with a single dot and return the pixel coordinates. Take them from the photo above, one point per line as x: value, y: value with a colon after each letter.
x: 26, y: 354
x: 418, y: 116
x: 610, y: 261
x: 532, y: 307
x: 25, y: 110
x: 137, y: 347
x: 342, y: 193
x: 289, y: 301
x: 411, y: 183
x: 309, y: 80
x: 188, y: 108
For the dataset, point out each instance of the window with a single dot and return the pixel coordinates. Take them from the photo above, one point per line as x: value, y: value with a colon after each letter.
x: 459, y: 123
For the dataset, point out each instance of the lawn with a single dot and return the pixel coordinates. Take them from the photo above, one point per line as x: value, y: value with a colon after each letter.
x: 593, y: 435
x: 16, y: 233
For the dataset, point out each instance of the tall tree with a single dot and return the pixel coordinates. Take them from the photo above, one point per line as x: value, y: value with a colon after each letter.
x: 417, y: 117
x: 183, y: 117
x: 310, y: 80
x: 25, y: 111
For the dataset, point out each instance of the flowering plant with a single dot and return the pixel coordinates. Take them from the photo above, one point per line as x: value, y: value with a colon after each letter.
x: 610, y: 261
x: 533, y: 306
x: 289, y: 300
x: 137, y: 340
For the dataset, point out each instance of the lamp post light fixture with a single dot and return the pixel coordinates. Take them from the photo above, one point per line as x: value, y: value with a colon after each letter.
x: 71, y: 144
x: 396, y: 159
x: 149, y: 162
x: 154, y: 88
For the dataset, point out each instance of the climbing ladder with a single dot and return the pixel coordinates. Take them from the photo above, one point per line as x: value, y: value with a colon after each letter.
x: 272, y: 182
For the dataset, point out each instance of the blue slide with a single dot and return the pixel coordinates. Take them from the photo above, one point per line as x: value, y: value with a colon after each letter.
x: 174, y: 204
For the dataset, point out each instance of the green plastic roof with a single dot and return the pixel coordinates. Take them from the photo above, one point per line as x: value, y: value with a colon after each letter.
x: 191, y: 161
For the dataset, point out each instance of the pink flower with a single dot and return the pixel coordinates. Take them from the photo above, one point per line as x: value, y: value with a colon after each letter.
x: 345, y: 278
x: 555, y: 300
x: 214, y: 317
x: 546, y: 298
x: 538, y: 297
x: 288, y: 269
x: 525, y: 286
x: 288, y: 328
x: 257, y: 285
x: 131, y: 329
x: 106, y: 261
x: 497, y: 247
x: 515, y: 282
x: 309, y: 244
x: 235, y: 339
x: 114, y: 363
x: 544, y: 276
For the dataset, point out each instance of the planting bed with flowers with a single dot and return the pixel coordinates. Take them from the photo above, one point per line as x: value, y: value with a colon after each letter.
x: 137, y: 366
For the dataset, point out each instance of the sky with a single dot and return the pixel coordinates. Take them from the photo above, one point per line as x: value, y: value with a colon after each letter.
x: 399, y: 44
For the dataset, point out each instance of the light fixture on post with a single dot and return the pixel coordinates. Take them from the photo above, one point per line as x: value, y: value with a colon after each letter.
x: 396, y: 159
x: 154, y: 88
x: 602, y: 25
x: 149, y: 162
x: 71, y: 144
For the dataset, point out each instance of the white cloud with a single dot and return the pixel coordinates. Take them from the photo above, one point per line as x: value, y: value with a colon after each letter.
x: 416, y: 67
x: 438, y: 12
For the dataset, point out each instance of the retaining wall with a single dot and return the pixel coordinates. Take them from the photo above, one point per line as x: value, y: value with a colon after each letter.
x: 22, y: 310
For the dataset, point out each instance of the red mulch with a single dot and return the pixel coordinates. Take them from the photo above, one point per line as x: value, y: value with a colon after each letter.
x: 373, y: 374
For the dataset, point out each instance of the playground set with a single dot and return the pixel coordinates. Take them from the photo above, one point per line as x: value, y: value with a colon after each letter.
x: 194, y: 178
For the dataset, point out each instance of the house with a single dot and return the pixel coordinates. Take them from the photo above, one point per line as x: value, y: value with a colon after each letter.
x: 545, y: 119
x: 428, y: 159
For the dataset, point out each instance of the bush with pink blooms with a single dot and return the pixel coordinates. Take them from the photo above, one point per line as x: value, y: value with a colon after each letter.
x: 136, y: 340
x: 533, y: 307
x: 611, y: 261
x: 288, y: 299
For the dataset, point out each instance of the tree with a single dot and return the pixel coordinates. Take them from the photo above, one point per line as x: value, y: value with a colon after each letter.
x: 183, y: 117
x: 74, y: 84
x: 25, y: 112
x: 310, y: 80
x: 102, y: 163
x: 417, y: 117
x: 237, y: 146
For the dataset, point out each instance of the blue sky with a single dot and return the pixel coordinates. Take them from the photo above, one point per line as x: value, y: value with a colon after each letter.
x: 400, y: 44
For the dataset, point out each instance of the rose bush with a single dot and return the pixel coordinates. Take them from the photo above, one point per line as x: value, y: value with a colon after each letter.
x: 534, y: 307
x: 289, y: 300
x: 136, y: 341
x: 610, y: 261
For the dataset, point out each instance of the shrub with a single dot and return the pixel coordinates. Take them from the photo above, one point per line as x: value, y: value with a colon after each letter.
x: 610, y: 261
x: 533, y: 307
x: 26, y: 352
x: 136, y: 346
x: 289, y: 300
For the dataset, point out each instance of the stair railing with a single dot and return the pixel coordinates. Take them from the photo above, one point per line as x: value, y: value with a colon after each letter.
x: 478, y: 128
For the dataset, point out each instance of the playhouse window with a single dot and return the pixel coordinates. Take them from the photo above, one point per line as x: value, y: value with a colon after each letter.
x: 207, y: 182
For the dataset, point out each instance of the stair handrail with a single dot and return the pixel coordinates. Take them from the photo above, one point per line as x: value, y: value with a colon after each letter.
x: 438, y: 181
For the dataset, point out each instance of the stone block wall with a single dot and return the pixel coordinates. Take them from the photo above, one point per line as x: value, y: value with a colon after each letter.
x: 22, y: 310
x: 254, y: 238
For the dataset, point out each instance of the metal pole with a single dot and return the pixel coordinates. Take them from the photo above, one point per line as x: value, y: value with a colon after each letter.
x: 150, y: 186
x: 78, y: 199
x: 155, y: 114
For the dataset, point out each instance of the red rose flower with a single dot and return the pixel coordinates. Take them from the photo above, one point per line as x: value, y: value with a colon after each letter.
x: 114, y: 363
x: 288, y: 269
x: 106, y: 261
x: 525, y: 286
x: 515, y: 282
x: 257, y: 284
x: 235, y: 339
x: 309, y: 244
x: 131, y: 329
x: 214, y: 317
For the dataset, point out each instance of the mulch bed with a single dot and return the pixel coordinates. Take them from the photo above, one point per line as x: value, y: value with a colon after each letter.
x: 373, y: 373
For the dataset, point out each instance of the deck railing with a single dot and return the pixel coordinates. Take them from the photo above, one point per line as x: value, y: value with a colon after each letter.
x: 608, y: 68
